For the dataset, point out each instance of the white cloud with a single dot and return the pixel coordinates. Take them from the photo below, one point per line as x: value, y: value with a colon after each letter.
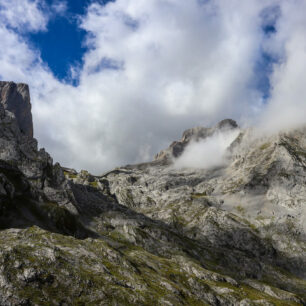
x: 18, y: 61
x: 153, y: 69
x: 59, y: 7
x: 287, y: 105
x: 23, y: 15
x: 207, y: 153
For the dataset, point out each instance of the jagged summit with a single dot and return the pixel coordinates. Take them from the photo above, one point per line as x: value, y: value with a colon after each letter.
x: 16, y: 99
x: 176, y: 148
x: 227, y: 124
x: 151, y: 235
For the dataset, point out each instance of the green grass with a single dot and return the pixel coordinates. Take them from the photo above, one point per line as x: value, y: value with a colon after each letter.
x: 240, y: 209
x: 198, y: 195
x: 94, y: 184
x: 70, y: 175
x: 264, y: 146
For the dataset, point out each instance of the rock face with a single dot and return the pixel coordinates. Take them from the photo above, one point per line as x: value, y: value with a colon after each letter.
x: 16, y: 99
x: 150, y: 234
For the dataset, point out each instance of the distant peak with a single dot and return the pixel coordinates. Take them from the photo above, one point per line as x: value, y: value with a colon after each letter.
x: 227, y: 123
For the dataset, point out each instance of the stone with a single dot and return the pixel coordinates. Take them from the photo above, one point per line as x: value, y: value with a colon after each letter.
x: 16, y: 99
x: 227, y: 124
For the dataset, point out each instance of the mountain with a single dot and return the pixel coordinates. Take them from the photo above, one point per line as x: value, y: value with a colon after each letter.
x: 152, y: 233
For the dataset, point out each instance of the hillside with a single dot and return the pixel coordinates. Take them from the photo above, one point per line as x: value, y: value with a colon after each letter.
x: 152, y: 233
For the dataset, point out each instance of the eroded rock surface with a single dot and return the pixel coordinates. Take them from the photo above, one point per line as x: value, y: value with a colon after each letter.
x: 151, y: 234
x: 16, y: 99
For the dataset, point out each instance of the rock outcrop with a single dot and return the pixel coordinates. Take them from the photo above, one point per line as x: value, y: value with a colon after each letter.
x: 16, y: 99
x: 150, y: 234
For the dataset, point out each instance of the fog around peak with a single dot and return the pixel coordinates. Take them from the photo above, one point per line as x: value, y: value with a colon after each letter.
x: 207, y: 153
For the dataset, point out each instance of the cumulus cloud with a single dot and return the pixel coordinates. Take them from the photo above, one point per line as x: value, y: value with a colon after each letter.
x: 23, y: 15
x: 287, y: 104
x: 207, y: 153
x: 155, y: 68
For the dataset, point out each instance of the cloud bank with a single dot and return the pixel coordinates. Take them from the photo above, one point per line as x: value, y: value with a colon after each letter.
x: 155, y: 68
x: 207, y: 153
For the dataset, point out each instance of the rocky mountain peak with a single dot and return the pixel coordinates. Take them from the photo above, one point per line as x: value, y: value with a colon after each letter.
x: 16, y: 99
x: 176, y: 148
x: 227, y: 124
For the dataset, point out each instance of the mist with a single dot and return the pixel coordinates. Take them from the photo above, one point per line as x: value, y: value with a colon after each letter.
x: 207, y: 153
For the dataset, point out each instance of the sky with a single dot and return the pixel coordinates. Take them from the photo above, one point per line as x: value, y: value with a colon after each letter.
x: 114, y: 82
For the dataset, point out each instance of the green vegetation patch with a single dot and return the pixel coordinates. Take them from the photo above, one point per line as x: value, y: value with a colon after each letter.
x: 199, y: 195
x: 240, y: 209
x: 94, y: 184
x: 265, y: 146
x: 70, y: 175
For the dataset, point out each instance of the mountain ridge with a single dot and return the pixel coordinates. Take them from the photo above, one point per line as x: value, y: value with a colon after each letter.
x: 149, y: 233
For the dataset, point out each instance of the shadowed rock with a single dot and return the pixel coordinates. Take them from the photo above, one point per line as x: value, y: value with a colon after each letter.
x: 16, y: 99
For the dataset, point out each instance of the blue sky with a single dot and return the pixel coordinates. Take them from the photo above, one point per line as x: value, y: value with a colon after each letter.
x: 62, y: 45
x: 135, y: 89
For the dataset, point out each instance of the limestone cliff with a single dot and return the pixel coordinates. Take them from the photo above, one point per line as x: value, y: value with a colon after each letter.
x: 151, y: 234
x: 16, y: 99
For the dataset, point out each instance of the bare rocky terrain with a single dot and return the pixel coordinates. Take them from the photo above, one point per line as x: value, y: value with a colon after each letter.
x: 152, y: 233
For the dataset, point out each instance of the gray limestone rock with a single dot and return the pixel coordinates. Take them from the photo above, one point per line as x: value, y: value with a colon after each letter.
x: 16, y: 99
x: 150, y: 234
